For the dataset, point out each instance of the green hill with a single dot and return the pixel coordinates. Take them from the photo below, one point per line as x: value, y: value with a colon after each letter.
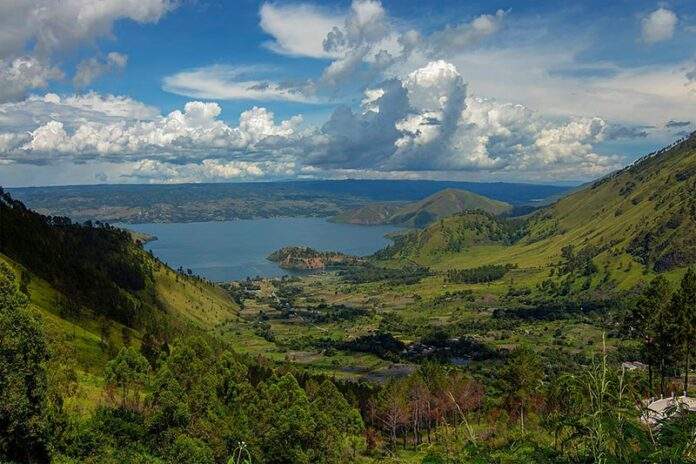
x: 453, y: 234
x: 426, y: 211
x: 97, y: 289
x: 637, y: 221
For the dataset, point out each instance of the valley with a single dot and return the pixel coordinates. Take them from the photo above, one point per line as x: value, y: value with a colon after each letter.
x: 347, y: 232
x: 466, y: 298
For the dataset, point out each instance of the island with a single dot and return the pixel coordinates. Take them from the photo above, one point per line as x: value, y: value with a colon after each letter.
x: 302, y: 258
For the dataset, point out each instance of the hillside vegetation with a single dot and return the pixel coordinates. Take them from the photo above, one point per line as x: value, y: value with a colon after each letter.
x: 424, y: 212
x: 97, y: 289
x: 639, y: 220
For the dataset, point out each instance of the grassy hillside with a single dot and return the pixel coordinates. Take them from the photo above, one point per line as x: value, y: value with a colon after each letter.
x: 453, y: 234
x: 636, y: 222
x: 97, y: 289
x: 421, y: 213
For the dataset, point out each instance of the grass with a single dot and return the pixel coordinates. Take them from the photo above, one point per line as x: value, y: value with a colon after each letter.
x: 76, y: 339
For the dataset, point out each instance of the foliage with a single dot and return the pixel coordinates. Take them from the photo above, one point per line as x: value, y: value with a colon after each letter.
x: 95, y: 265
x: 362, y: 274
x: 127, y: 372
x: 24, y: 402
x: 481, y: 274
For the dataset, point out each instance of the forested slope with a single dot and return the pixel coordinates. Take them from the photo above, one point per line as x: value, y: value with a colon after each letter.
x: 97, y: 288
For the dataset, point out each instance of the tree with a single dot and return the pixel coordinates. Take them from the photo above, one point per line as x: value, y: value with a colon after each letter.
x: 127, y: 372
x: 393, y: 408
x: 335, y: 420
x: 23, y: 385
x: 167, y: 405
x: 284, y: 429
x: 684, y: 311
x: 521, y: 377
x: 190, y: 450
x: 652, y: 320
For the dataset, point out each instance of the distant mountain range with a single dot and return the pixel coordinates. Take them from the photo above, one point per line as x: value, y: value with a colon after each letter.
x: 421, y: 213
x: 217, y: 202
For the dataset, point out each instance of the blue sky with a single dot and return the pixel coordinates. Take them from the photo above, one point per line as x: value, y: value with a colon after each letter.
x: 205, y: 91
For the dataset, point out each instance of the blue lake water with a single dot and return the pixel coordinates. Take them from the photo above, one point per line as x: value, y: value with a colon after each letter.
x: 233, y: 250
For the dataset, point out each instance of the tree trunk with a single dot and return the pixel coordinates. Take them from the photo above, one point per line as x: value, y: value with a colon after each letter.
x: 650, y: 379
x: 662, y: 377
x: 686, y: 368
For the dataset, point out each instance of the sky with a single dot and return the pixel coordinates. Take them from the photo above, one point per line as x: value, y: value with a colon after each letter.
x: 165, y: 91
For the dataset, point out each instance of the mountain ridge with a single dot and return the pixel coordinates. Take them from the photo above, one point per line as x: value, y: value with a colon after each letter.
x: 639, y: 220
x: 423, y: 212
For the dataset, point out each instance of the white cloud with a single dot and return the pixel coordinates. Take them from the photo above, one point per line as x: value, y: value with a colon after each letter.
x: 21, y: 74
x: 658, y: 26
x: 73, y: 110
x: 421, y: 126
x: 428, y: 123
x: 90, y: 69
x: 208, y: 170
x: 53, y: 25
x: 529, y: 75
x: 232, y: 83
x: 298, y: 29
x: 191, y: 134
x: 363, y: 43
x: 453, y: 39
x: 33, y: 32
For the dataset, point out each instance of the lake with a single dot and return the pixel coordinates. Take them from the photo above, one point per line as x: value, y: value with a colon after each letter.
x: 234, y: 250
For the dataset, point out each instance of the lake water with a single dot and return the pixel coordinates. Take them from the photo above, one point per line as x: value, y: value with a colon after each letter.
x: 234, y: 250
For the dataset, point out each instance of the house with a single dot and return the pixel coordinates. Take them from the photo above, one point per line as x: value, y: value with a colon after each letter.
x: 664, y: 407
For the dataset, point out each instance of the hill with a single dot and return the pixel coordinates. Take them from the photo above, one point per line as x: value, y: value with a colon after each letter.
x: 97, y: 288
x: 453, y: 234
x: 421, y: 213
x: 639, y: 220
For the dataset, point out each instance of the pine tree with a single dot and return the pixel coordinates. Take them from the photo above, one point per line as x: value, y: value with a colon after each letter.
x: 684, y: 310
x: 653, y: 321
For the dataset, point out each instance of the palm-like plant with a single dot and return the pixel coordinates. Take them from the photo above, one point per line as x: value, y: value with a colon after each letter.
x: 605, y: 425
x: 240, y: 455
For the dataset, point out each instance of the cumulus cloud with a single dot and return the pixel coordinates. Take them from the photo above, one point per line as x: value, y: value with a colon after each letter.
x: 220, y: 82
x: 427, y: 122
x: 364, y: 42
x: 22, y: 74
x: 193, y: 133
x: 73, y: 110
x: 297, y: 29
x: 658, y: 26
x: 54, y: 25
x: 90, y: 69
x: 208, y: 170
x: 32, y: 32
x: 422, y: 124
